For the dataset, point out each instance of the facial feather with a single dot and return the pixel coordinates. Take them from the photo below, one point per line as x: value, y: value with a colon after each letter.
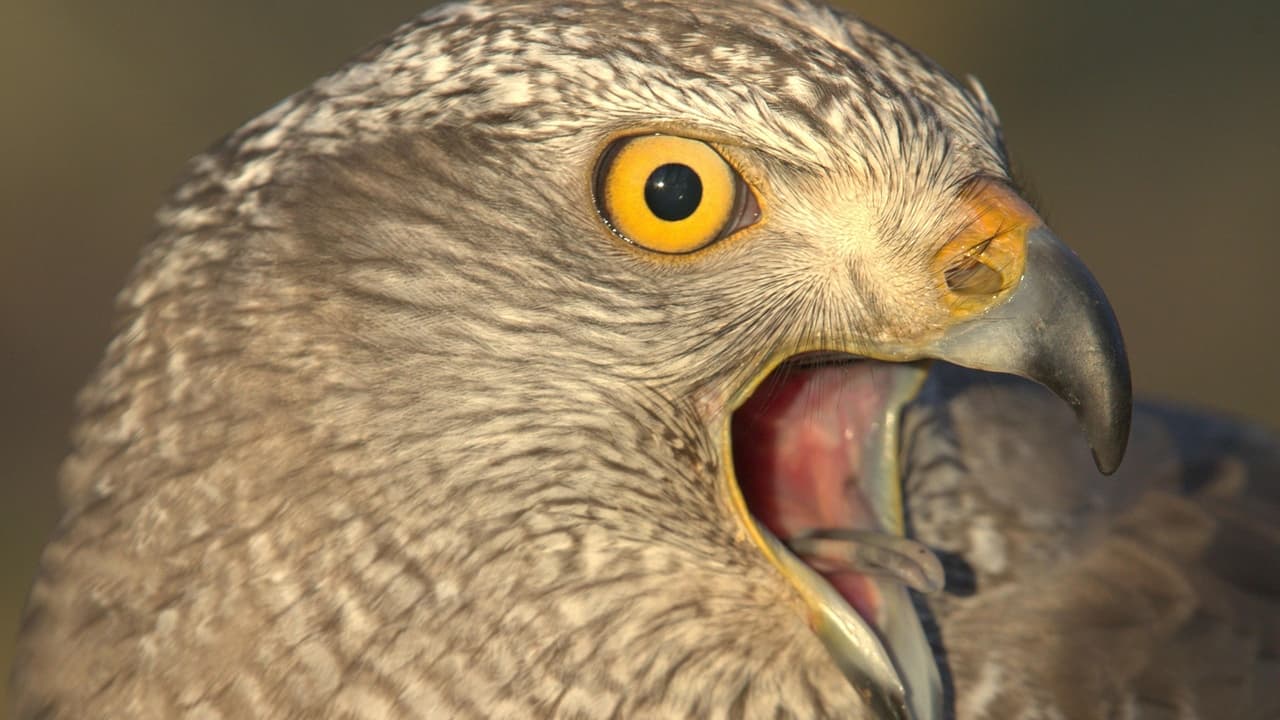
x: 382, y: 373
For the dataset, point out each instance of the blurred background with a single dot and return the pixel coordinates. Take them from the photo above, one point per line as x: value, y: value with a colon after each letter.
x: 1147, y: 131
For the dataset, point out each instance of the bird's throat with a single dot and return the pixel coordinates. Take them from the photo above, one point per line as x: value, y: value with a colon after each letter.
x: 811, y: 460
x: 815, y: 458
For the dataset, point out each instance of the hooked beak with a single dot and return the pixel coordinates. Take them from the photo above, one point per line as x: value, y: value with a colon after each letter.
x: 1057, y: 329
x: 1037, y: 313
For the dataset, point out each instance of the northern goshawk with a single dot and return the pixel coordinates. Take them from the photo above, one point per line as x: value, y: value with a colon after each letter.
x: 558, y: 359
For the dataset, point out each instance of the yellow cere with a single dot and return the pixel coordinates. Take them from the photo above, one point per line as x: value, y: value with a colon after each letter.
x: 983, y: 262
x: 666, y: 193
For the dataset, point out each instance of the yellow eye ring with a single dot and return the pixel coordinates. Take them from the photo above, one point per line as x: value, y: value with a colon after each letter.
x: 670, y: 194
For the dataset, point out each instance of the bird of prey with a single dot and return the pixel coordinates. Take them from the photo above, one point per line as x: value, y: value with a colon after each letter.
x: 601, y: 359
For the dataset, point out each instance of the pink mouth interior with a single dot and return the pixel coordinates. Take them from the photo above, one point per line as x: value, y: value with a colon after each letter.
x: 798, y: 449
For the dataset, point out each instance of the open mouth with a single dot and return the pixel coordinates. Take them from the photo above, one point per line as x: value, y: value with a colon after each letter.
x: 809, y: 450
x: 815, y: 455
x: 811, y: 467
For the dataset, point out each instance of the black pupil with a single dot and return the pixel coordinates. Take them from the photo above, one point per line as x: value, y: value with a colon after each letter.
x: 673, y: 191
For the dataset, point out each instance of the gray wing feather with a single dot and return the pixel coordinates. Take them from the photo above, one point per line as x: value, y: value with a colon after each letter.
x: 1153, y: 593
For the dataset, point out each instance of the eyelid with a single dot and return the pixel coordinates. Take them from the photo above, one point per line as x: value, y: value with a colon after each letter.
x: 747, y: 210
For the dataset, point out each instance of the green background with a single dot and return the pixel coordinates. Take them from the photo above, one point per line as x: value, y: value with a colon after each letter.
x: 1147, y: 131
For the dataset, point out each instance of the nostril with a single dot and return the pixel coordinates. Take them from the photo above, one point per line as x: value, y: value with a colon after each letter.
x: 969, y: 275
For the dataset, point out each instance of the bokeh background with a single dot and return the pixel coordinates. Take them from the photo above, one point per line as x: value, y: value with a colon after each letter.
x: 1146, y: 129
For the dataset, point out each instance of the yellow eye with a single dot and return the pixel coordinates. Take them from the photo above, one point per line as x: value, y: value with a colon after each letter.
x: 671, y: 194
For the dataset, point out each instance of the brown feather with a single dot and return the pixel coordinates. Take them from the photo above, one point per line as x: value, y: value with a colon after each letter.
x: 1151, y: 594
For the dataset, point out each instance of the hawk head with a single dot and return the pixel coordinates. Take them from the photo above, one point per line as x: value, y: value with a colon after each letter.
x: 547, y: 359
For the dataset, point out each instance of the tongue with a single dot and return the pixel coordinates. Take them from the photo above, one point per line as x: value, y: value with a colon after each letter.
x: 799, y: 444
